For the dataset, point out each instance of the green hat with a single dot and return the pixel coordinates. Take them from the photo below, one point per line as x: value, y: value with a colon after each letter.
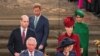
x: 79, y: 12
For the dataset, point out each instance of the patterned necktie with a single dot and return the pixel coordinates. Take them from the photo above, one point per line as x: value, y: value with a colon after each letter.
x: 31, y: 53
x: 35, y: 22
x: 23, y: 35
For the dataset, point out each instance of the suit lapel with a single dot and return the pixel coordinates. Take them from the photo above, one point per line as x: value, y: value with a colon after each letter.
x: 32, y: 21
x: 39, y: 22
x: 20, y: 37
x: 26, y: 53
x: 35, y: 53
x: 27, y: 33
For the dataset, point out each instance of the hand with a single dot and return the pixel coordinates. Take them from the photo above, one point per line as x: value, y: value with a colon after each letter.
x: 41, y: 47
x: 16, y: 54
x: 81, y: 50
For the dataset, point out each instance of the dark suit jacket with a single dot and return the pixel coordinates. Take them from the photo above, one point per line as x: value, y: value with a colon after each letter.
x: 36, y: 53
x: 72, y: 53
x: 15, y: 43
x: 41, y: 30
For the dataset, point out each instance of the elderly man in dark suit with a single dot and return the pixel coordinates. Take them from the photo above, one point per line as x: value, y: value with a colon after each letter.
x: 18, y: 36
x: 31, y: 44
x: 40, y: 25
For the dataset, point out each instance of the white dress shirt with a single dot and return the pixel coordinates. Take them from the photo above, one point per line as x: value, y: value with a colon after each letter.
x: 31, y: 53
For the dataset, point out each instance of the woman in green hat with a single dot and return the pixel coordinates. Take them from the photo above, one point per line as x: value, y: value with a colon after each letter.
x: 82, y: 30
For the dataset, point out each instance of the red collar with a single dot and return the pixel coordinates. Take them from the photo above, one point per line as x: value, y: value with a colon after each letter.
x: 68, y: 35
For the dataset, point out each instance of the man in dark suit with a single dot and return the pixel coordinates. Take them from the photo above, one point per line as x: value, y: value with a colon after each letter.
x: 31, y: 44
x: 40, y: 25
x: 18, y: 36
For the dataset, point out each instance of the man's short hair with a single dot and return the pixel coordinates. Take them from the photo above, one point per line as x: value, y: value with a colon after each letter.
x: 24, y: 16
x: 37, y: 5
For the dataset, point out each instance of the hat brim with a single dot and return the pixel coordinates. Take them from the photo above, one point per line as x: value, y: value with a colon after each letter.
x: 62, y: 46
x: 79, y: 12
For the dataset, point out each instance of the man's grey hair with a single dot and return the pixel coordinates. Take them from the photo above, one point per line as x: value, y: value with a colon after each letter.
x: 30, y: 40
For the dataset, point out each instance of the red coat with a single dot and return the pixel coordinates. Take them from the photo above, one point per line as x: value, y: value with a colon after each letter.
x: 76, y: 47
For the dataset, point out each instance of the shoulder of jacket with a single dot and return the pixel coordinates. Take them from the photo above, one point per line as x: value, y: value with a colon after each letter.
x: 44, y: 17
x: 16, y: 29
x: 37, y: 51
x: 23, y: 51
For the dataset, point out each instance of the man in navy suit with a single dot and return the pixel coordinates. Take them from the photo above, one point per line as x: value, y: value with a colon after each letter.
x: 31, y: 44
x: 18, y: 36
x: 40, y: 25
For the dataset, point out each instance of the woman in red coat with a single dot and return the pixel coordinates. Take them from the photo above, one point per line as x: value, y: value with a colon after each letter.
x: 69, y: 24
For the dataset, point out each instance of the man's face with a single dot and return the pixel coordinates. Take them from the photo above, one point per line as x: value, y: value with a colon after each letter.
x: 37, y: 11
x: 31, y: 46
x: 69, y: 30
x: 78, y: 18
x: 24, y: 22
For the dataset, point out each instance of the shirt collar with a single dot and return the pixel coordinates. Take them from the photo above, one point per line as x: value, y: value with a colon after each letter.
x: 23, y: 29
x: 68, y: 35
x: 31, y: 52
x: 38, y: 16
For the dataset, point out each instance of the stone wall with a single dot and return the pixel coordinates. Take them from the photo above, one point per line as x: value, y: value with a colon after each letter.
x: 19, y: 7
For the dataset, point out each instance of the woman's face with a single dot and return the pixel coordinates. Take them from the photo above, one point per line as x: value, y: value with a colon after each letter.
x: 78, y: 18
x: 68, y: 48
x: 69, y: 30
x: 71, y: 47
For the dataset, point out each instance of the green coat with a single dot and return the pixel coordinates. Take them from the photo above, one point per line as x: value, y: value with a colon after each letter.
x: 82, y: 30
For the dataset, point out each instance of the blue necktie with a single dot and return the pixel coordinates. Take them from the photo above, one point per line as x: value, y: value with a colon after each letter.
x: 35, y: 22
